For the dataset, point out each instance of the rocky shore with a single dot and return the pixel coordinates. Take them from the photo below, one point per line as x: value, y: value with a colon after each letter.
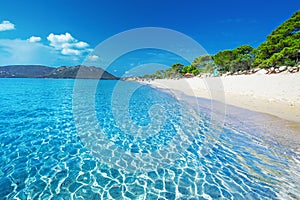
x: 272, y: 70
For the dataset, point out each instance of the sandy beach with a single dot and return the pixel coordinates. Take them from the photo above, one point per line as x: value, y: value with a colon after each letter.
x: 276, y: 94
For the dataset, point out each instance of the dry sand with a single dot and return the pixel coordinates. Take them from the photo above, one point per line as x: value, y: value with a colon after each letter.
x: 277, y: 94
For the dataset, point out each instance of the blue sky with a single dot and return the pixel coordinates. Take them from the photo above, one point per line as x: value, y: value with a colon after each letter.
x: 64, y: 32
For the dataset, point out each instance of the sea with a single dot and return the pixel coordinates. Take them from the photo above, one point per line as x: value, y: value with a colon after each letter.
x: 91, y: 139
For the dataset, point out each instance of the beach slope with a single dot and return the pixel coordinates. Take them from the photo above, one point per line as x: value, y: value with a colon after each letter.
x: 276, y: 94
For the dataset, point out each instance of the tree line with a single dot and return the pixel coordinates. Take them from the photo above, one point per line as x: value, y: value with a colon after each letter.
x: 282, y: 47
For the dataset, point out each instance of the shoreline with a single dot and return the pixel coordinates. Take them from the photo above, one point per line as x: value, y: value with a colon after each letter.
x: 277, y: 94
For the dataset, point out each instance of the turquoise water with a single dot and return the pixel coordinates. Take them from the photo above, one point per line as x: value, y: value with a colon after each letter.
x: 58, y: 143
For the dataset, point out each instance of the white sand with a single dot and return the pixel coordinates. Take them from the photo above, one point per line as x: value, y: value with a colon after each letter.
x: 277, y: 94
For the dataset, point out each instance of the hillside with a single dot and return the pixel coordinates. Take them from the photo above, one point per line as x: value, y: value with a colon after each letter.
x: 85, y: 73
x: 38, y: 71
x: 281, y: 46
x: 28, y: 71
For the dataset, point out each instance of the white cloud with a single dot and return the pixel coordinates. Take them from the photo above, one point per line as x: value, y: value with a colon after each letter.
x: 62, y: 50
x: 24, y: 52
x: 58, y: 40
x: 6, y: 25
x: 92, y: 58
x: 81, y: 45
x: 34, y: 39
x: 67, y: 51
x: 67, y: 44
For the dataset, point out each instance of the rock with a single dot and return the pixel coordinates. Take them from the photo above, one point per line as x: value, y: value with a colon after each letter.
x: 277, y: 70
x: 262, y: 71
x: 282, y: 68
x: 189, y: 75
x: 226, y: 74
x: 272, y: 70
x: 293, y: 69
x: 254, y: 70
x: 205, y: 75
x: 244, y: 72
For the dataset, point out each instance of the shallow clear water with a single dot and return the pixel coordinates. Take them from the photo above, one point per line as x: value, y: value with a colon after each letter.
x: 131, y: 142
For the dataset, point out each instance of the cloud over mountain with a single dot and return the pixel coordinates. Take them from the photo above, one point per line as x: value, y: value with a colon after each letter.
x: 52, y: 50
x: 67, y: 44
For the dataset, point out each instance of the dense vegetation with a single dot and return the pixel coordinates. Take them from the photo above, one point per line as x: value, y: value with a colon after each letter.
x: 239, y: 59
x: 280, y: 48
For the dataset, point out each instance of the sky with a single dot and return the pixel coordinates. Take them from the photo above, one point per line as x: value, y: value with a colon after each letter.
x: 65, y: 32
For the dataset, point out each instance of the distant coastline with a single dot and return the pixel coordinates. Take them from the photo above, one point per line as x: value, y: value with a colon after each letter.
x: 63, y: 72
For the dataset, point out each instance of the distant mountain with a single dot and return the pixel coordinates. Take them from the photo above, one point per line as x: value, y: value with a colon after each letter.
x: 83, y: 72
x: 39, y: 71
x: 27, y: 71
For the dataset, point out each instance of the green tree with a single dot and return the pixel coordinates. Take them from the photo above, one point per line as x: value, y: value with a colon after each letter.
x: 281, y: 46
x: 238, y: 59
x: 177, y: 67
x: 188, y: 69
x: 159, y: 74
x: 204, y: 64
x: 202, y: 61
x: 223, y: 60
